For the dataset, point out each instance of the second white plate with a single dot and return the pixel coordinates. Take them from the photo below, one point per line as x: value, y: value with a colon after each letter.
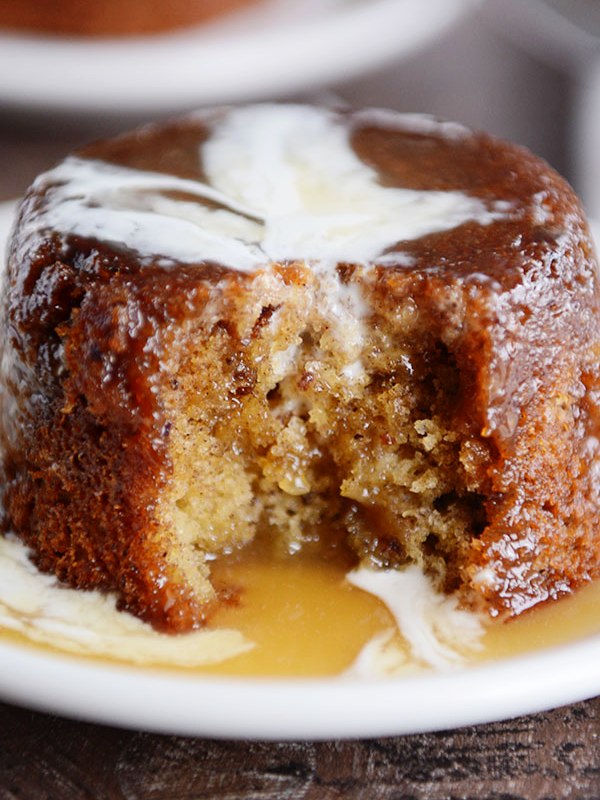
x: 279, y: 47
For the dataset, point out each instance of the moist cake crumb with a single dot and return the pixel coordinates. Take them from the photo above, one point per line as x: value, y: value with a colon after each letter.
x: 304, y: 323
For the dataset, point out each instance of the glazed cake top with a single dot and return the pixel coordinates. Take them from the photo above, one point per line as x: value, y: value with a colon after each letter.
x: 133, y: 246
x: 251, y: 186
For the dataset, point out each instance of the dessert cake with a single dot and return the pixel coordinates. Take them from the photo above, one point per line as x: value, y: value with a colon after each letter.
x: 110, y: 17
x: 301, y: 323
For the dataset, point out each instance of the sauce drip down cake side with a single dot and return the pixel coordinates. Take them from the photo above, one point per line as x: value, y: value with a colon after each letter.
x: 302, y: 323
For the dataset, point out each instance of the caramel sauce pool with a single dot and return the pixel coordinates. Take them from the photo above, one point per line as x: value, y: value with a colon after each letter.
x: 307, y: 621
x: 305, y: 618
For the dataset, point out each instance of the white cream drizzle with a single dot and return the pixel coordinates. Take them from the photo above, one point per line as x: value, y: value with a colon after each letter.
x: 88, y: 623
x: 433, y: 631
x: 437, y: 632
x: 289, y: 186
x: 382, y: 657
x: 283, y: 183
x: 425, y: 124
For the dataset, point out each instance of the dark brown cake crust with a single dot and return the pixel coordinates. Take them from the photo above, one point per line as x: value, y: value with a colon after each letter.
x: 93, y: 343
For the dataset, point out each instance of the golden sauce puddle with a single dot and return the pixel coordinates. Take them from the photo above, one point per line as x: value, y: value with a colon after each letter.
x: 306, y: 620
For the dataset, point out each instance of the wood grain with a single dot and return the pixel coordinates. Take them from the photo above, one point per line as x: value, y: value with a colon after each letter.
x: 551, y: 756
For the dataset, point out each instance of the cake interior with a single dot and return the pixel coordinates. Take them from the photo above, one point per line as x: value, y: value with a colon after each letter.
x: 322, y: 413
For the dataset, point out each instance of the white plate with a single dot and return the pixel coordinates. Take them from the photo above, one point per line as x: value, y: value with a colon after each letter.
x: 298, y: 709
x: 183, y: 703
x: 282, y: 47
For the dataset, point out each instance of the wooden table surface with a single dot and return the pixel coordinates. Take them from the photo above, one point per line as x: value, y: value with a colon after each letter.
x: 551, y: 755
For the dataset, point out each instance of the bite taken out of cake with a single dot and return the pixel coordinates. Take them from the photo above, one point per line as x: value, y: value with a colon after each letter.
x: 299, y: 323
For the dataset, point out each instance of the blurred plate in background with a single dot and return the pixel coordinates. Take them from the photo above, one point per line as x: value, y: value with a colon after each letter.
x: 563, y: 33
x: 278, y: 47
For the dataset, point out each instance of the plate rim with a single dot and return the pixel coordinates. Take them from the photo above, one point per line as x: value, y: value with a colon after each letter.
x: 276, y: 709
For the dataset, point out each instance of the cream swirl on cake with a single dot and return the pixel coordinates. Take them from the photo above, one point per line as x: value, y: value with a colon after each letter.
x: 282, y: 183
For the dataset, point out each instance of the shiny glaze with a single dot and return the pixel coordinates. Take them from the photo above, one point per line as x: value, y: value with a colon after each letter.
x: 504, y: 297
